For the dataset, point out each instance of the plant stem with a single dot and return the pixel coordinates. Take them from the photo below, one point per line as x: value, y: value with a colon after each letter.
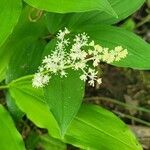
x: 145, y: 20
x: 3, y: 87
x: 128, y: 106
x: 132, y: 118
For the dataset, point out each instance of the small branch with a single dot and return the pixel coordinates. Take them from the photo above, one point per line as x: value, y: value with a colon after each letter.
x: 132, y: 118
x: 144, y: 20
x: 118, y: 103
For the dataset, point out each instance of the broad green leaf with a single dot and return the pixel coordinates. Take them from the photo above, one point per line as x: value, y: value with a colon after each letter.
x: 10, y: 11
x: 93, y: 128
x: 108, y: 36
x: 96, y: 128
x: 123, y: 9
x: 66, y: 6
x: 74, y: 21
x: 32, y: 102
x: 9, y: 136
x: 64, y: 97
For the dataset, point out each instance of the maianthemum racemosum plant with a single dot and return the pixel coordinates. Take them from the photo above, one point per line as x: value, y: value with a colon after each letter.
x: 49, y: 50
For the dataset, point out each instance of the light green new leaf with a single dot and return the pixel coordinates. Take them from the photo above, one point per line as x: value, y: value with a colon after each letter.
x: 10, y: 11
x: 93, y: 128
x: 66, y: 6
x: 108, y: 36
x: 9, y: 136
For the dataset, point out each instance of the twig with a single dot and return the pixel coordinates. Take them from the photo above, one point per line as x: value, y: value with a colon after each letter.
x: 144, y: 20
x: 117, y: 102
x: 132, y: 118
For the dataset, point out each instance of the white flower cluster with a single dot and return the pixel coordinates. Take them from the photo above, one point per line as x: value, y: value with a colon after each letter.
x: 76, y: 57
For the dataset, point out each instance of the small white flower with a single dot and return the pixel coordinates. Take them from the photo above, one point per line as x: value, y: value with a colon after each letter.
x: 98, y: 48
x: 46, y: 79
x: 118, y: 48
x: 66, y: 31
x: 83, y: 77
x: 61, y: 35
x: 37, y: 80
x: 66, y: 42
x: 60, y: 45
x: 91, y: 82
x: 95, y: 62
x: 121, y: 54
x: 92, y: 44
x: 41, y: 68
x: 40, y: 80
x: 79, y: 65
x: 63, y: 73
x: 99, y: 80
x: 90, y: 52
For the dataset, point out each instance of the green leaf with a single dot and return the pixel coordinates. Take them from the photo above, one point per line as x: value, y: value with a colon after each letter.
x: 93, y: 127
x: 9, y: 15
x: 74, y: 21
x: 9, y: 136
x: 25, y: 96
x: 96, y: 128
x: 66, y: 6
x: 123, y: 9
x: 64, y: 97
x: 108, y: 36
